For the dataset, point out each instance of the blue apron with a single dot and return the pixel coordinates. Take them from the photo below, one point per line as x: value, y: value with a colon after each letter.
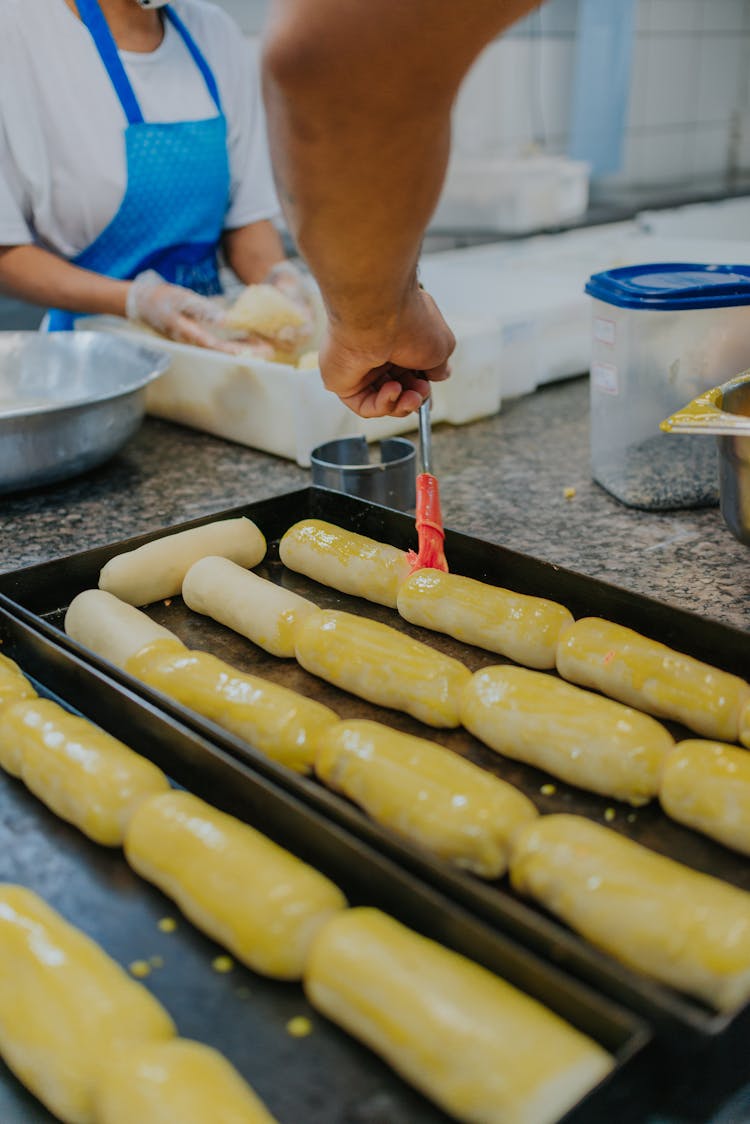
x: 177, y: 193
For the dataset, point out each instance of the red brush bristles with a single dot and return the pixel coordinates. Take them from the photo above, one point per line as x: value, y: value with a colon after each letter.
x: 430, y: 533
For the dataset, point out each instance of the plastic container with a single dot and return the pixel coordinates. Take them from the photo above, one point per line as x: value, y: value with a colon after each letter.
x: 512, y: 195
x: 661, y: 335
x: 287, y: 411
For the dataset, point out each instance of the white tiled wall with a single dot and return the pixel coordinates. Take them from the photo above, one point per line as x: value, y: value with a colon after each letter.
x: 689, y: 107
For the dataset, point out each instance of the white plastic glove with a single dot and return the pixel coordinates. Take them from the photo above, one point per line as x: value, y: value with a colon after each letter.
x: 294, y: 284
x: 175, y: 312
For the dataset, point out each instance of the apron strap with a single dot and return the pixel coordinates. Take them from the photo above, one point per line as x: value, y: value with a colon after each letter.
x: 93, y: 18
x: 198, y: 57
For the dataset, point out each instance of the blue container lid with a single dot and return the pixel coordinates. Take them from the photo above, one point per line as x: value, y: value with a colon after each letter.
x: 672, y: 285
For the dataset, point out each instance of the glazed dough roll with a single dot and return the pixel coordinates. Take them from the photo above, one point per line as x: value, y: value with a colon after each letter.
x: 424, y: 793
x: 83, y: 774
x: 706, y: 785
x: 13, y: 683
x: 348, y: 562
x: 658, y: 917
x: 177, y: 1082
x: 65, y: 1006
x: 643, y: 673
x: 275, y: 720
x: 483, y: 1051
x: 574, y: 734
x: 382, y: 665
x: 158, y: 568
x: 262, y: 611
x: 112, y: 629
x: 233, y: 883
x: 526, y: 629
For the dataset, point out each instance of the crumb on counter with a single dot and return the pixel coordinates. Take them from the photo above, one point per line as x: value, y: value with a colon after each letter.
x: 140, y: 969
x: 222, y: 964
x: 609, y: 814
x: 631, y: 817
x: 569, y: 493
x: 548, y: 789
x: 167, y: 601
x: 156, y: 961
x: 299, y: 1027
x: 167, y: 924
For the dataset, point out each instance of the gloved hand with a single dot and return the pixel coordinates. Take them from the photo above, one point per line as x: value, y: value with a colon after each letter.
x: 294, y: 284
x: 175, y: 312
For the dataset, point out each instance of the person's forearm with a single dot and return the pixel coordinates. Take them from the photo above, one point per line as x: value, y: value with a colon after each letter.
x: 359, y: 95
x: 33, y: 274
x: 253, y: 250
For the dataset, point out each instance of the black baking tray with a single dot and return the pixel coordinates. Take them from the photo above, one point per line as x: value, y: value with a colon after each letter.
x: 40, y: 594
x: 327, y: 1078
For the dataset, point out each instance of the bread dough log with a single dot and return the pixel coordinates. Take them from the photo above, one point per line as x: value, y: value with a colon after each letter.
x: 275, y: 720
x: 177, y: 1082
x: 158, y: 569
x: 264, y: 310
x: 660, y: 918
x: 382, y: 665
x: 65, y: 1006
x: 85, y: 776
x: 110, y: 627
x: 526, y: 629
x: 483, y: 1051
x: 745, y: 725
x: 13, y: 683
x: 424, y: 793
x: 706, y: 785
x: 582, y: 738
x: 350, y: 563
x: 233, y: 883
x: 643, y: 673
x: 262, y: 611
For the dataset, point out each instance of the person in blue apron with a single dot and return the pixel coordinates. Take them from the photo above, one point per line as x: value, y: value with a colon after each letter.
x: 196, y: 176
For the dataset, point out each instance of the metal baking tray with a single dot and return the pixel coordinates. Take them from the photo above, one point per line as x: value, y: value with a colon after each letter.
x: 327, y: 1078
x: 41, y: 593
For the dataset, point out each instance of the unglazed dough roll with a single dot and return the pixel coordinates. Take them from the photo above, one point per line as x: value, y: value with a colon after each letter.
x: 13, y: 683
x: 643, y: 673
x: 344, y: 560
x: 275, y: 720
x: 706, y: 785
x: 574, y: 734
x: 233, y: 883
x: 382, y: 665
x: 112, y: 629
x: 65, y: 1006
x: 177, y: 1082
x: 424, y: 793
x: 83, y: 774
x: 158, y: 568
x: 483, y: 1051
x: 526, y: 629
x: 658, y: 917
x: 262, y: 611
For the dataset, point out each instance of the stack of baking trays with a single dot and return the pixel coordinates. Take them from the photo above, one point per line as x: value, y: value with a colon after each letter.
x: 665, y: 1045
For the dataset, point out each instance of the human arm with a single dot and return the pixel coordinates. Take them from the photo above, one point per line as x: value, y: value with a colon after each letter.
x: 359, y: 96
x: 253, y: 250
x: 34, y: 274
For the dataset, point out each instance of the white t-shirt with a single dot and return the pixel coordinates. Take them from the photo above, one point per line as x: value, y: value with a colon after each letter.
x: 62, y: 155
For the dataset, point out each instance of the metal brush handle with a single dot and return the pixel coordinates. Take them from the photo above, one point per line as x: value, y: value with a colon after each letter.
x: 425, y: 436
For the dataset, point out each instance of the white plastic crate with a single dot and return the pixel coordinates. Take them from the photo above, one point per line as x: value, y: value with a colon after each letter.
x: 512, y: 195
x: 288, y: 412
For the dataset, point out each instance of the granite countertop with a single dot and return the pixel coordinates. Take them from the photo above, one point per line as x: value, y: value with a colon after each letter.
x: 503, y: 478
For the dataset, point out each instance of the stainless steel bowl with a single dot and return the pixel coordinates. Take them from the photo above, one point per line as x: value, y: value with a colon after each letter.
x: 734, y: 460
x: 68, y: 401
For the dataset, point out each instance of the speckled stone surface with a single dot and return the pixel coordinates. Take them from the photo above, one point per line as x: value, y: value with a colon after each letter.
x: 502, y: 478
